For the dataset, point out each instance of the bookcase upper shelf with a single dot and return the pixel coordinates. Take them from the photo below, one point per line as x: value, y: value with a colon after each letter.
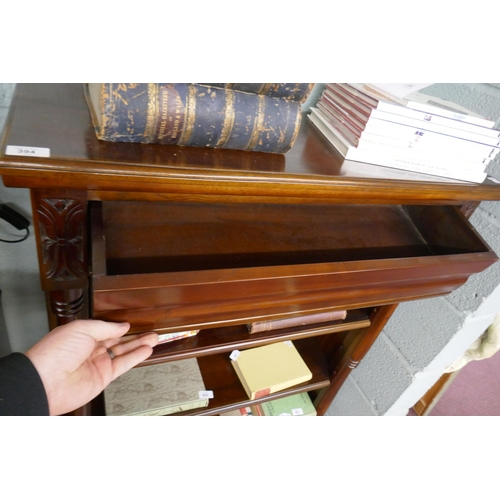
x: 55, y: 116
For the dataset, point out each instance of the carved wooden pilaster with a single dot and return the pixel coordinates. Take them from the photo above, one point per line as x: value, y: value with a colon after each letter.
x: 60, y: 220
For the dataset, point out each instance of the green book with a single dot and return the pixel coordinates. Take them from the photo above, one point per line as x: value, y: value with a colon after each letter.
x: 296, y: 405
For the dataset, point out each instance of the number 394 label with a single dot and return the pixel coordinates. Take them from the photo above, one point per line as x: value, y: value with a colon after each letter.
x: 27, y: 151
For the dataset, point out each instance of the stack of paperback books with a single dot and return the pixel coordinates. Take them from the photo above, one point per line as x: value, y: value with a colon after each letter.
x: 378, y: 124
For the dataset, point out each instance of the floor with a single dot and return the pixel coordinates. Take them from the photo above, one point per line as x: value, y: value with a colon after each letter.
x: 475, y: 391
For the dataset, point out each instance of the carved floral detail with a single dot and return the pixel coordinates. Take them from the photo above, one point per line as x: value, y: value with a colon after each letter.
x: 61, y: 224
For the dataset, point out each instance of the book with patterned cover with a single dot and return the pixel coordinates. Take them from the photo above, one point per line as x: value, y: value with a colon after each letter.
x: 160, y: 389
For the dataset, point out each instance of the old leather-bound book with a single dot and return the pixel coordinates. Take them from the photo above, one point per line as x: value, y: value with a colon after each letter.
x: 291, y: 91
x: 306, y: 319
x: 192, y: 115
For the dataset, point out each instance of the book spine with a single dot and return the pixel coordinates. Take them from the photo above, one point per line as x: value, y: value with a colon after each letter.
x: 455, y: 115
x: 415, y: 165
x: 169, y: 337
x: 401, y: 131
x: 199, y: 116
x: 264, y: 326
x: 422, y: 150
x: 415, y: 154
x: 298, y: 92
x: 421, y: 116
x: 190, y: 405
x: 327, y: 130
x: 435, y: 127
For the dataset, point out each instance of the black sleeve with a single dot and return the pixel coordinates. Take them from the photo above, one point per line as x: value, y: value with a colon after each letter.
x: 21, y: 388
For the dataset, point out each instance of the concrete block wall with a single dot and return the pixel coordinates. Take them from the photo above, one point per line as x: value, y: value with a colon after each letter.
x: 424, y: 337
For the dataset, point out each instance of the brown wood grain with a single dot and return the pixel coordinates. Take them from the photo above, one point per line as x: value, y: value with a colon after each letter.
x: 188, y: 238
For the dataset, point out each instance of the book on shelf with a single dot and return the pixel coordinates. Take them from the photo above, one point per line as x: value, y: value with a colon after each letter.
x: 270, y: 368
x: 380, y: 93
x: 240, y: 412
x: 290, y: 91
x: 389, y: 157
x: 306, y: 319
x: 195, y: 115
x: 170, y: 337
x: 296, y: 405
x: 161, y: 389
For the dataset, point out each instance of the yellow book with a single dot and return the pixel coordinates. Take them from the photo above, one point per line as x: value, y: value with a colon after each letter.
x: 270, y: 368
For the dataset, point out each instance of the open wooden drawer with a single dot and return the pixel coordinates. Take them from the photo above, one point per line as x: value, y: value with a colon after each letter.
x: 169, y: 266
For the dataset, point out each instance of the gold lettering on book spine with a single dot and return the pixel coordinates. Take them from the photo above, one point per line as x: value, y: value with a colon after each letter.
x: 190, y: 115
x: 150, y: 132
x: 162, y: 131
x: 228, y: 124
x: 258, y: 123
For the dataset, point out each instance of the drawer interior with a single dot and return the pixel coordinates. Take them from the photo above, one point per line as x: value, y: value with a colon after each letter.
x: 168, y: 266
x: 150, y: 237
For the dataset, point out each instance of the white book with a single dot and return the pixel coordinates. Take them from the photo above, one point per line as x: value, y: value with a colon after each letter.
x: 417, y: 144
x: 436, y: 127
x: 350, y: 152
x: 425, y: 103
x: 344, y: 95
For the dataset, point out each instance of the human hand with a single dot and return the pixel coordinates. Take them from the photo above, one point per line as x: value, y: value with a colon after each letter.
x: 75, y: 366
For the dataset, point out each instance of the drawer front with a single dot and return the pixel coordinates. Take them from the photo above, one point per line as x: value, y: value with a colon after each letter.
x: 433, y: 262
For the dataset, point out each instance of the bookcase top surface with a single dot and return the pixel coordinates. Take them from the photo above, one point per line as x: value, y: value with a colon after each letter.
x: 56, y: 116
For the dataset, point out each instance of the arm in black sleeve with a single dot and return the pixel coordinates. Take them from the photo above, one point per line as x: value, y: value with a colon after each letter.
x: 21, y: 388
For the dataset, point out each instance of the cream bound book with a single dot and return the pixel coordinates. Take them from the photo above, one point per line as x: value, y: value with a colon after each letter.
x: 270, y: 368
x: 156, y: 390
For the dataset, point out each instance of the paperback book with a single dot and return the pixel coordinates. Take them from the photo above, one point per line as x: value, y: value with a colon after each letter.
x: 270, y: 368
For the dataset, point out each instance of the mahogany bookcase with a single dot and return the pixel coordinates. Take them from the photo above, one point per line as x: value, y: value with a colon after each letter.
x: 173, y: 238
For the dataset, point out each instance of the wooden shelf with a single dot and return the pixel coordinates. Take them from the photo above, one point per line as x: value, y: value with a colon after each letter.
x: 219, y: 376
x: 222, y: 340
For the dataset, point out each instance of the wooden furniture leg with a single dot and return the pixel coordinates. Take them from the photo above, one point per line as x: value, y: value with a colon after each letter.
x: 60, y: 221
